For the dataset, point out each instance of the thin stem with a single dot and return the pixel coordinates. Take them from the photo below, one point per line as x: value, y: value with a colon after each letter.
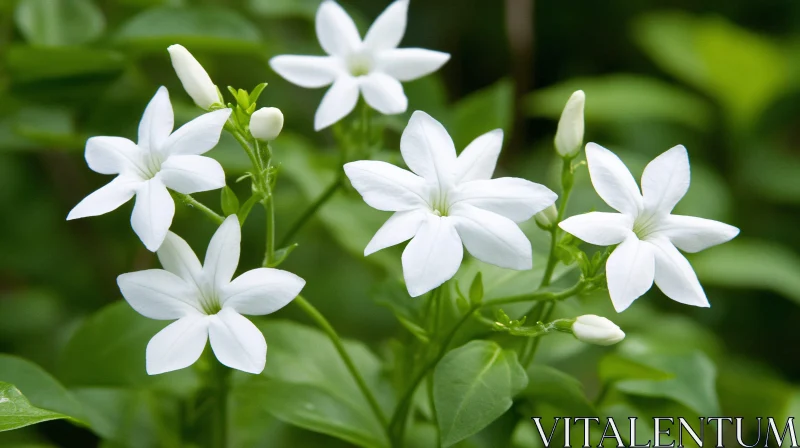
x: 566, y: 187
x: 221, y: 378
x: 535, y: 296
x: 195, y: 204
x: 312, y: 209
x: 323, y: 323
x: 527, y: 359
x: 365, y: 128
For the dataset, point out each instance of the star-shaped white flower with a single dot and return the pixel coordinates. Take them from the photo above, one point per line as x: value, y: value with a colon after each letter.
x: 375, y: 66
x: 648, y: 235
x: 206, y: 303
x: 161, y: 159
x: 447, y: 201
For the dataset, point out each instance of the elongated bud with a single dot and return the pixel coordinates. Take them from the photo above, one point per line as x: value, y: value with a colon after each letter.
x: 194, y: 78
x: 569, y: 135
x: 266, y: 123
x: 547, y: 218
x: 597, y: 330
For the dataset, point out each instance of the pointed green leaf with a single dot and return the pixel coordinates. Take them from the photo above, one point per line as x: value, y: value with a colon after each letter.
x: 230, y: 203
x: 16, y: 411
x: 472, y: 386
x: 39, y: 387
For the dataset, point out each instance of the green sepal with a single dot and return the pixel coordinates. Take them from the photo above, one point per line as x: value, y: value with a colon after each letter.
x: 257, y: 92
x: 476, y: 290
x: 281, y: 254
x: 229, y: 201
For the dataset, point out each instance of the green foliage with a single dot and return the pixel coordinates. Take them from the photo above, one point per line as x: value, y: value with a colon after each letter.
x: 39, y: 387
x: 16, y: 411
x: 28, y: 64
x: 59, y: 22
x: 485, y: 110
x: 472, y: 386
x: 275, y: 9
x: 315, y: 391
x: 229, y: 201
x: 208, y: 27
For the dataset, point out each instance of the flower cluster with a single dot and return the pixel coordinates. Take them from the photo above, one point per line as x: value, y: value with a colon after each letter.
x: 444, y: 202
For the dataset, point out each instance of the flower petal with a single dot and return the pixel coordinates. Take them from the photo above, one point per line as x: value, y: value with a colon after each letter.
x: 516, y: 199
x: 157, y: 121
x: 384, y: 93
x: 675, y: 276
x: 408, y: 64
x: 158, y: 294
x: 191, y: 174
x: 222, y: 256
x: 599, y: 228
x: 261, y: 291
x: 338, y: 101
x: 307, y: 71
x: 336, y: 31
x: 402, y: 226
x: 428, y: 149
x: 236, y: 342
x: 199, y: 135
x: 665, y: 180
x: 691, y: 234
x: 113, y: 155
x: 612, y: 180
x: 630, y: 270
x: 177, y: 257
x: 152, y: 214
x: 388, y: 29
x: 492, y: 238
x: 385, y: 186
x: 178, y: 345
x: 478, y: 160
x: 433, y: 256
x: 107, y: 198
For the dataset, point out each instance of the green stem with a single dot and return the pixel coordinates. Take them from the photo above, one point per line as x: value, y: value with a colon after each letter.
x: 567, y: 180
x: 197, y: 205
x: 365, y: 128
x: 326, y: 327
x: 527, y: 358
x: 221, y: 379
x: 312, y: 210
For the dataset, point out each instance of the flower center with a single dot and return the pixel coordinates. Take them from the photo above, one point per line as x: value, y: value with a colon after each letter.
x: 209, y: 300
x: 359, y: 64
x: 644, y: 226
x: 438, y: 202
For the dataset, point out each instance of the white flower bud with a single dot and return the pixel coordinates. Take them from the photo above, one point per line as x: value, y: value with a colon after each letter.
x: 266, y: 123
x: 597, y: 330
x: 194, y: 78
x: 547, y: 218
x: 569, y: 135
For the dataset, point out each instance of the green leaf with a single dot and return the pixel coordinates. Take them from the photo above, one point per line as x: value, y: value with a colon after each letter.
x: 476, y: 289
x: 39, y: 387
x: 688, y: 379
x: 316, y: 391
x: 108, y: 349
x: 198, y: 27
x: 306, y: 9
x: 745, y: 263
x: 230, y: 203
x: 559, y: 390
x: 743, y: 70
x: 59, y: 22
x: 472, y: 386
x: 16, y: 411
x: 36, y: 63
x: 315, y: 409
x: 480, y: 112
x: 623, y: 98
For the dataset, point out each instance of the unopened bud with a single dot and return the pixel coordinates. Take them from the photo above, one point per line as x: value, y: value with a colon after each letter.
x: 547, y: 218
x: 194, y: 78
x: 597, y: 330
x: 266, y: 123
x: 569, y: 135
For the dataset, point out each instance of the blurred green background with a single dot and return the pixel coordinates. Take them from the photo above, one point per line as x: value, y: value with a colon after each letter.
x: 721, y: 77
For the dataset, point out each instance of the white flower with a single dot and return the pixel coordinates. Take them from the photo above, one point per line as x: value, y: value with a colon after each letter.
x: 446, y: 201
x: 206, y: 303
x: 194, y: 77
x: 597, y: 330
x: 266, y: 123
x: 547, y: 218
x: 569, y: 135
x: 161, y: 159
x: 375, y: 66
x: 648, y: 235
